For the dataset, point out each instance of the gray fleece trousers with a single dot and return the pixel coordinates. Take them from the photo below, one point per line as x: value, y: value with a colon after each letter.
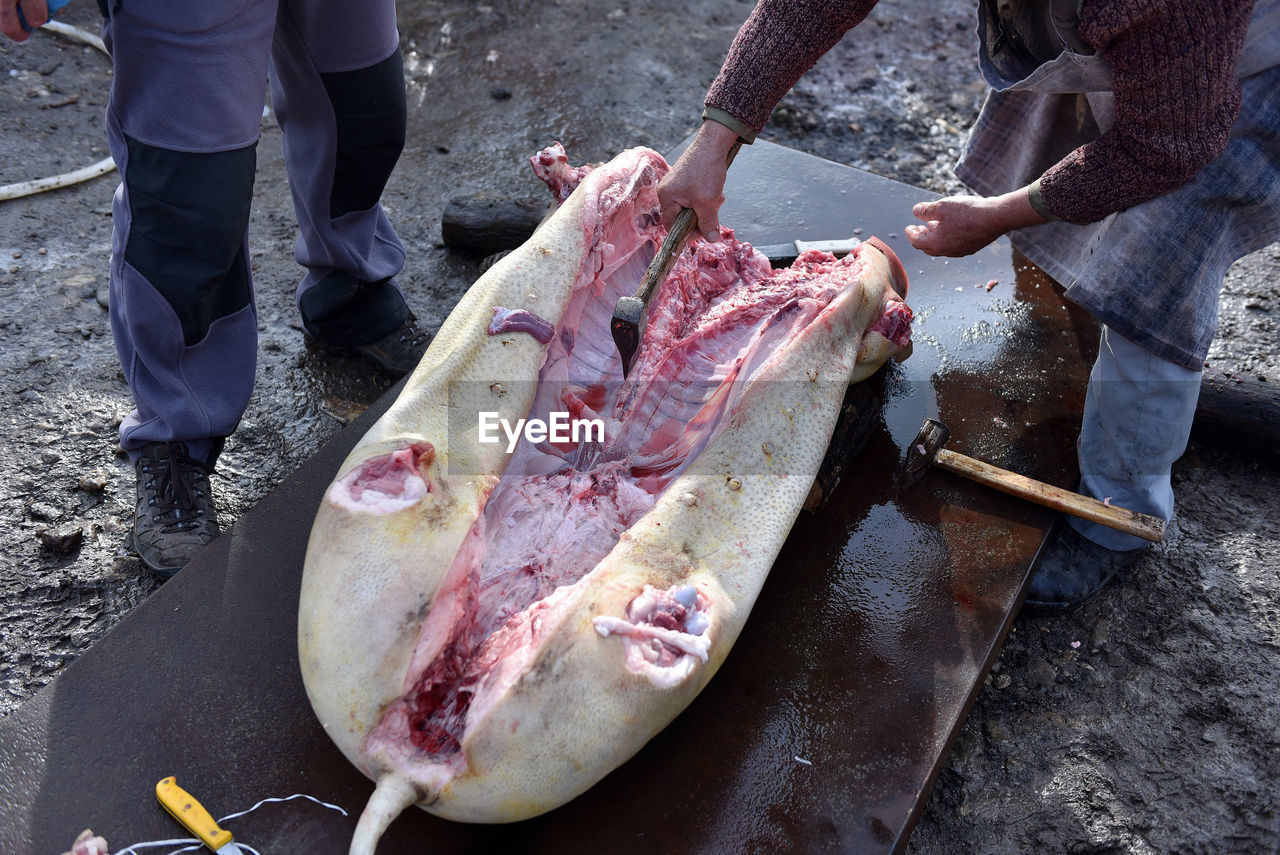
x: 190, y: 82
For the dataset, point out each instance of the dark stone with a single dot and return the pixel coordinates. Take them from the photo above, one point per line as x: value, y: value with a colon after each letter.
x: 64, y: 539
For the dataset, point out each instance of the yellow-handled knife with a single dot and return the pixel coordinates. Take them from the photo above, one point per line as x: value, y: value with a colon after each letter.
x: 186, y: 810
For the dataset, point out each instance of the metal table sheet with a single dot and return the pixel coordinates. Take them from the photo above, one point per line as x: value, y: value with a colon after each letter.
x: 825, y: 728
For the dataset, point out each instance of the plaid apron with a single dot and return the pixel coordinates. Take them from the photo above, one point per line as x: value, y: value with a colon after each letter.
x: 1151, y: 272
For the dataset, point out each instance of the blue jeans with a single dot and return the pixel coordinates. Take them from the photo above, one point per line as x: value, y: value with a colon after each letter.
x: 1137, y: 418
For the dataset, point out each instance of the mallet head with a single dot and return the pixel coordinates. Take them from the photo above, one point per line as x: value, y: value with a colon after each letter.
x: 628, y: 314
x: 921, y: 452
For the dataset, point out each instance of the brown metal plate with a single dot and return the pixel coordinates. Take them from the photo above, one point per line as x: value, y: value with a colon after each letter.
x: 823, y: 730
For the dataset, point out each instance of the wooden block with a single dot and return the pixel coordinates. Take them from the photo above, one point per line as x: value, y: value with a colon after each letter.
x: 482, y: 224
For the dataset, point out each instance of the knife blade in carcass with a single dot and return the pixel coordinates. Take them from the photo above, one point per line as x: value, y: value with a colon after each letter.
x: 783, y: 254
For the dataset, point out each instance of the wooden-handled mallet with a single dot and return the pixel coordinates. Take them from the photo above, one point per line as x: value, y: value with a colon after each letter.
x: 927, y: 450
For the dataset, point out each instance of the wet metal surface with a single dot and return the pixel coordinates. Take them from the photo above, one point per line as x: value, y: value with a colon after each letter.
x: 823, y: 730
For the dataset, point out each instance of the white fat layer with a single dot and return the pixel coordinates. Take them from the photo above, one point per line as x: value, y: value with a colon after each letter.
x: 375, y: 501
x: 638, y: 641
x: 668, y: 677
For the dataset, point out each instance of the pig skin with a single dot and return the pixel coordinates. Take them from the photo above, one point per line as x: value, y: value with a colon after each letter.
x: 354, y: 645
x: 568, y: 711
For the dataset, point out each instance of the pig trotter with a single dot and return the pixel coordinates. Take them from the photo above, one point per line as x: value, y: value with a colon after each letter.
x: 392, y: 795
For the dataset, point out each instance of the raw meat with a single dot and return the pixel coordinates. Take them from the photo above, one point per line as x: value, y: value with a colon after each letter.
x: 489, y: 634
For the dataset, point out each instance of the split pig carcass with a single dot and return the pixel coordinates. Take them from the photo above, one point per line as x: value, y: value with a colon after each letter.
x: 489, y: 626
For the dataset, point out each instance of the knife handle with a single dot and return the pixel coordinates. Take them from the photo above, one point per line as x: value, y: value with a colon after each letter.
x: 186, y: 810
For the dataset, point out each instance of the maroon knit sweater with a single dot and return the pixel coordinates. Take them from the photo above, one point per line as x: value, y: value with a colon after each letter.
x: 1173, y: 72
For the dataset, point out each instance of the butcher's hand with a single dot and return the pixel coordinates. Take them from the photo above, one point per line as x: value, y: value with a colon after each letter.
x: 697, y: 179
x: 35, y: 11
x: 962, y: 225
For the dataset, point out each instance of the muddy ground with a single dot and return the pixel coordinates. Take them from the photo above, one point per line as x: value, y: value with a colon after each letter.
x: 1148, y: 722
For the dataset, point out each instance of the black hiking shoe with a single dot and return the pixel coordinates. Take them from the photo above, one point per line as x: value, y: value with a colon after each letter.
x: 1072, y: 570
x: 398, y: 352
x: 175, y: 518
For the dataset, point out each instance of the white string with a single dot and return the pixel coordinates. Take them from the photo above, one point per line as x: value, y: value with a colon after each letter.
x: 285, y: 799
x: 156, y: 843
x: 190, y: 844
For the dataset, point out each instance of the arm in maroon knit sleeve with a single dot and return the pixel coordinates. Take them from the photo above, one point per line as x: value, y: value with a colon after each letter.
x: 1176, y: 98
x: 779, y: 42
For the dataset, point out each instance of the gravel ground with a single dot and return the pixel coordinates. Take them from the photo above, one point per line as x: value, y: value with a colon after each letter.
x: 1145, y: 723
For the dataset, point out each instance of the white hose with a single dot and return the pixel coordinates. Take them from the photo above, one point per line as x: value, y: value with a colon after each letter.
x: 66, y: 179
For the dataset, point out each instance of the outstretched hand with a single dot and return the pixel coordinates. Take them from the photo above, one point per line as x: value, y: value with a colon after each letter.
x: 962, y: 225
x: 35, y: 11
x: 697, y: 180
